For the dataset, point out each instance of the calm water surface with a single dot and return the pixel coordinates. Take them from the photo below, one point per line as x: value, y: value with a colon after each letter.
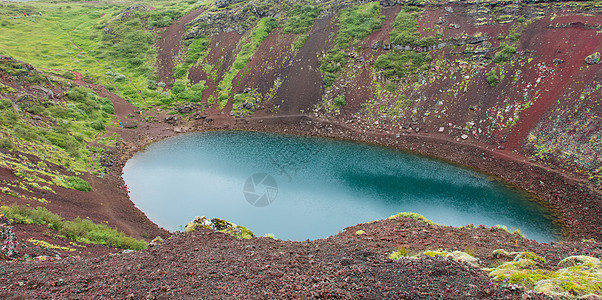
x: 306, y: 188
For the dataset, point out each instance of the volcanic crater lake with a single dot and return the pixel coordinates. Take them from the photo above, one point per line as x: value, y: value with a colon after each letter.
x: 301, y: 188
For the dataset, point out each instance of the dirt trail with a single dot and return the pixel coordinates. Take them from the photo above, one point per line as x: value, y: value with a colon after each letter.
x: 169, y: 45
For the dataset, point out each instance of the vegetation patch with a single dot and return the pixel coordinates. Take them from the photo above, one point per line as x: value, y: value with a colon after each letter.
x: 576, y: 279
x: 492, y: 78
x: 355, y: 24
x: 196, y: 51
x: 49, y: 245
x: 504, y: 54
x: 80, y: 230
x: 301, y: 18
x: 55, y: 131
x: 411, y: 215
x: 399, y: 253
x: 248, y: 48
x: 398, y: 64
x: 74, y: 182
x: 405, y: 29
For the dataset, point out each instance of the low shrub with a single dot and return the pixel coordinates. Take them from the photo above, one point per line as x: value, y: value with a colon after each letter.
x: 85, y: 231
x: 79, y: 184
x: 399, y: 253
x: 492, y: 78
x: 26, y: 215
x: 397, y: 64
x: 411, y: 215
x: 504, y: 54
x: 6, y: 143
x: 5, y: 104
x: 301, y: 18
x: 391, y: 87
x: 339, y: 101
x: 80, y: 230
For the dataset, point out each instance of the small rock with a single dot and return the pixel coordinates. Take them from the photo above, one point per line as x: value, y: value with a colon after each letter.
x: 593, y: 59
x: 171, y: 120
x: 377, y: 45
x: 8, y: 240
x: 130, y: 125
x: 185, y: 109
x: 557, y: 61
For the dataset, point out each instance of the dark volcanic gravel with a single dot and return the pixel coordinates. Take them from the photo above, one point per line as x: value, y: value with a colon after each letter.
x: 208, y: 264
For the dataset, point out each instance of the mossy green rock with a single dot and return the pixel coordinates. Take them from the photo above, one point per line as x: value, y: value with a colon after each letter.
x: 220, y: 225
x: 593, y: 59
x: 578, y: 276
x: 578, y: 260
x: 503, y: 254
x: 464, y: 257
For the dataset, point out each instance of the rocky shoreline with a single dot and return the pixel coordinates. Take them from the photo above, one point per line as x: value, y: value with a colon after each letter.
x: 573, y: 199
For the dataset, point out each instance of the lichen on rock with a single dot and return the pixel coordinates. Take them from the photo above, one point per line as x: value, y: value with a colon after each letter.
x: 8, y: 241
x: 577, y: 276
x: 593, y: 58
x: 577, y: 260
x: 220, y: 225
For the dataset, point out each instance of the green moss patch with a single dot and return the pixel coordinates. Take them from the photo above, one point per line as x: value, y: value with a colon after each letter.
x: 411, y: 215
x: 578, y: 275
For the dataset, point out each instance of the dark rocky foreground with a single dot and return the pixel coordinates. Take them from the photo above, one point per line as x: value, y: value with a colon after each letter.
x: 209, y: 264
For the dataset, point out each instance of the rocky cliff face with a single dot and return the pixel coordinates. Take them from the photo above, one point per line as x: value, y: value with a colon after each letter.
x: 518, y: 76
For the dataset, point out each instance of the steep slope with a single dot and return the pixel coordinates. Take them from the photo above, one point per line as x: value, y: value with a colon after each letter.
x: 491, y: 73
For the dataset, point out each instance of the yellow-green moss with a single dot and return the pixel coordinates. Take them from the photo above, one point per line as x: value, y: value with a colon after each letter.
x: 49, y: 245
x: 399, y: 253
x: 580, y: 276
x: 411, y: 215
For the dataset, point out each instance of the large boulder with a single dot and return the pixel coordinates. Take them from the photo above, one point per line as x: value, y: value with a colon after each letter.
x: 219, y: 225
x: 577, y: 260
x: 8, y: 241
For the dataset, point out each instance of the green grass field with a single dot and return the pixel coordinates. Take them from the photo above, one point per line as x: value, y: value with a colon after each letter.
x: 72, y: 36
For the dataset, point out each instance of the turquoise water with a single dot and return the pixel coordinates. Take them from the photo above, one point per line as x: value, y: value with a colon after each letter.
x: 306, y: 188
